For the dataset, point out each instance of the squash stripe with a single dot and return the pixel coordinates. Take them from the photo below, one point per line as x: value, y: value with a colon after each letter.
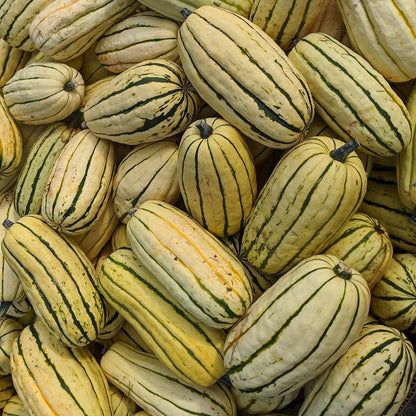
x: 221, y: 193
x: 33, y: 180
x: 406, y: 270
x: 221, y: 98
x: 195, y: 247
x: 16, y: 21
x: 360, y: 363
x: 86, y: 372
x: 385, y: 88
x: 316, y: 234
x: 94, y: 198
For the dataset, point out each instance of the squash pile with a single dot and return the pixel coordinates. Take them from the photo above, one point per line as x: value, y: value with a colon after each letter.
x: 207, y: 207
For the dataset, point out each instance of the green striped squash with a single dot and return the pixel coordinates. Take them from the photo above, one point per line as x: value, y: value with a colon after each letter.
x: 217, y: 176
x: 122, y: 404
x: 379, y: 30
x: 58, y: 280
x: 10, y: 328
x: 363, y: 244
x: 66, y: 29
x: 329, y: 21
x: 6, y: 390
x: 393, y: 297
x: 255, y: 404
x: 285, y: 20
x: 94, y: 240
x: 137, y: 38
x: 11, y: 60
x: 39, y: 57
x: 297, y: 328
x: 52, y: 379
x: 75, y: 202
x: 157, y: 390
x: 371, y: 378
x: 147, y: 172
x: 203, y: 275
x: 42, y: 93
x: 218, y: 49
x: 39, y: 163
x: 14, y: 407
x: 11, y: 142
x: 288, y: 224
x: 92, y: 70
x: 191, y: 350
x: 382, y: 202
x: 16, y: 17
x: 351, y: 96
x: 173, y: 8
x: 10, y: 287
x: 405, y: 160
x: 148, y: 102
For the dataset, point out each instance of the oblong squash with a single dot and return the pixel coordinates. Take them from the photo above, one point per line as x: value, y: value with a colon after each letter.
x: 52, y: 379
x: 351, y: 96
x: 216, y: 175
x: 297, y: 328
x: 373, y: 377
x: 148, y: 102
x: 75, y: 202
x: 378, y: 29
x: 218, y: 49
x: 191, y: 350
x: 287, y: 223
x: 58, y: 279
x: 42, y: 93
x: 156, y: 389
x: 198, y: 270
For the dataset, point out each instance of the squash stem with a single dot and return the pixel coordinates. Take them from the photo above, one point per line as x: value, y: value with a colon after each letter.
x: 205, y: 129
x: 7, y: 224
x: 185, y: 13
x: 344, y: 151
x: 69, y: 86
x: 342, y: 270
